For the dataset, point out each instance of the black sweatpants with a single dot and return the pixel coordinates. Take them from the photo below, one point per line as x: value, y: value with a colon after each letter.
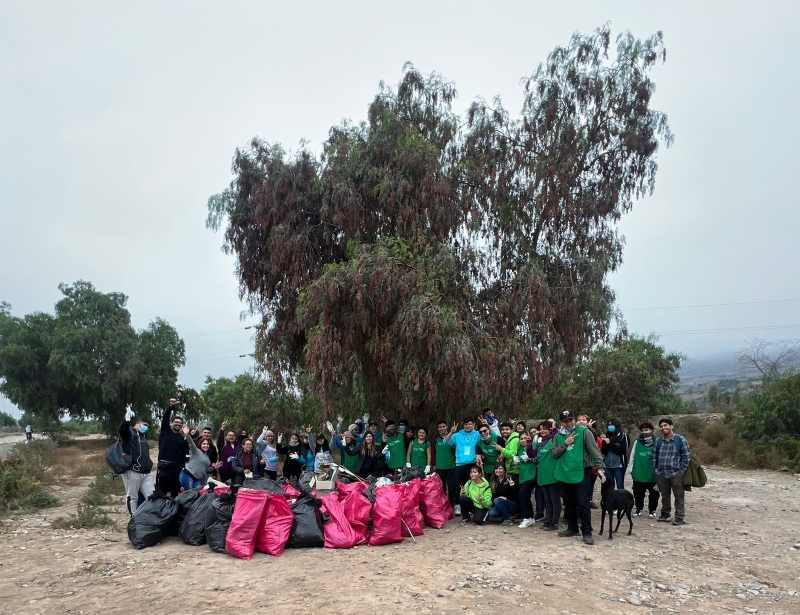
x: 576, y: 503
x: 552, y: 503
x: 462, y: 474
x: 451, y: 487
x: 468, y: 509
x: 168, y: 483
x: 639, y: 489
x: 525, y: 504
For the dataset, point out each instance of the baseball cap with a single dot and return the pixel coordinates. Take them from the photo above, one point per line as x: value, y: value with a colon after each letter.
x: 567, y: 415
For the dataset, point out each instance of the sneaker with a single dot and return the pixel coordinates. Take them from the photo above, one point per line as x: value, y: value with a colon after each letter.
x: 587, y: 539
x: 638, y: 513
x: 466, y: 520
x: 663, y: 519
x: 549, y: 528
x: 652, y: 515
x: 457, y: 510
x: 507, y: 523
x: 526, y: 523
x: 568, y: 533
x: 539, y: 518
x: 679, y: 522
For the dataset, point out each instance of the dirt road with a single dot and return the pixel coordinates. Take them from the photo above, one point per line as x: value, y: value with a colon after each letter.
x: 737, y: 555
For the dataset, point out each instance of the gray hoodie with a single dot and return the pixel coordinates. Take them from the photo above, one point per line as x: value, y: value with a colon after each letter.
x: 199, y: 465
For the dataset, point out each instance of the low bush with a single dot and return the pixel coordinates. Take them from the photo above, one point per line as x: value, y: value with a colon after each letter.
x: 20, y: 490
x: 87, y: 516
x: 38, y: 456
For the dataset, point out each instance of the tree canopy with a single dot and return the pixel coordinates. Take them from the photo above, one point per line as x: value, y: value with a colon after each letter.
x: 87, y: 360
x: 430, y: 263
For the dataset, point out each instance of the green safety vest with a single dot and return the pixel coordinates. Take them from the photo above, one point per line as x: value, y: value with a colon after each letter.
x: 569, y: 467
x: 547, y: 465
x: 397, y: 451
x: 490, y: 453
x: 642, y: 471
x: 527, y: 469
x: 445, y: 455
x: 419, y: 458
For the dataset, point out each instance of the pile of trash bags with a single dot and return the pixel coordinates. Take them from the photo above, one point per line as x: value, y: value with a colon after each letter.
x: 269, y: 516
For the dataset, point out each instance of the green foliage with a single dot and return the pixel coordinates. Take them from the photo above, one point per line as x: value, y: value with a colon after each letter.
x: 82, y: 427
x: 432, y: 263
x: 21, y: 475
x: 6, y: 420
x: 629, y: 378
x: 88, y: 516
x: 86, y: 360
x: 38, y: 457
x: 773, y: 411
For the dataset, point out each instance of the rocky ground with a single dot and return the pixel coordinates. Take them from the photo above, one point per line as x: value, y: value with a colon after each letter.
x: 739, y: 554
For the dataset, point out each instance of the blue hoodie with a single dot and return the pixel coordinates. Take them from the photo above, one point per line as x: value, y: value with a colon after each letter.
x: 465, y: 444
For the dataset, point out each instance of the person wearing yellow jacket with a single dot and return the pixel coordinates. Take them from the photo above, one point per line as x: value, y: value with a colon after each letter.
x: 476, y: 498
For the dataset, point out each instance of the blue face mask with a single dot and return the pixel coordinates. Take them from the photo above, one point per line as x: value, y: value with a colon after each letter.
x: 402, y: 428
x: 611, y: 429
x: 143, y: 429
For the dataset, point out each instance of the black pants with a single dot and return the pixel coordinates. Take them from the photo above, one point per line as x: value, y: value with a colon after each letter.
x: 273, y: 474
x: 468, y: 508
x: 538, y: 495
x: 462, y: 474
x: 639, y: 490
x: 226, y: 476
x: 168, y: 482
x: 552, y: 503
x: 525, y: 493
x: 576, y: 503
x: 450, y: 484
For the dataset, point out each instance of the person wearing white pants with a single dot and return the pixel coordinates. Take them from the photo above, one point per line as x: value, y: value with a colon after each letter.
x: 139, y: 478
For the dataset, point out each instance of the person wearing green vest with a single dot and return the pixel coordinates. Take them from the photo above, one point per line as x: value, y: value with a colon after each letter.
x: 347, y: 447
x: 510, y: 448
x: 640, y: 467
x: 545, y: 476
x: 444, y: 463
x: 395, y: 446
x: 527, y: 481
x: 575, y: 451
x: 487, y: 452
x: 419, y: 452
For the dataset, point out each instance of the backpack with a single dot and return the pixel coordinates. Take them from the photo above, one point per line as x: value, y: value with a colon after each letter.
x: 117, y: 459
x: 695, y: 475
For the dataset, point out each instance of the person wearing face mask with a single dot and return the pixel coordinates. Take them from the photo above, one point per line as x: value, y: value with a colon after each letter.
x: 487, y: 452
x: 172, y: 451
x: 228, y: 446
x: 292, y: 468
x: 575, y: 452
x: 487, y: 417
x: 134, y: 442
x: 615, y: 452
x: 267, y: 448
x: 640, y: 467
x: 394, y: 446
x: 444, y: 462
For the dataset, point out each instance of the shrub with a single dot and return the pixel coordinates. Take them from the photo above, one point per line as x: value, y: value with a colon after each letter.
x: 38, y: 499
x: 20, y: 490
x: 690, y: 426
x: 715, y: 434
x: 88, y: 516
x: 39, y: 457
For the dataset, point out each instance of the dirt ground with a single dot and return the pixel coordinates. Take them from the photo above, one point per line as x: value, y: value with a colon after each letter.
x: 737, y: 555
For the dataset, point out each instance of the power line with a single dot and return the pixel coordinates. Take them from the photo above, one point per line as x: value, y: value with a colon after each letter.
x: 727, y: 330
x: 188, y: 337
x: 682, y: 307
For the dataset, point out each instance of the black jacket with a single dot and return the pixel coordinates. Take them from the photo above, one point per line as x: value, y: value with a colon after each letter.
x: 135, y: 444
x: 367, y: 465
x: 619, y: 445
x: 172, y: 447
x: 238, y: 464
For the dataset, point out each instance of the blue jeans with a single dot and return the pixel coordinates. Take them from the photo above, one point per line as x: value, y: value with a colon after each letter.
x: 618, y: 474
x: 503, y: 508
x: 188, y: 483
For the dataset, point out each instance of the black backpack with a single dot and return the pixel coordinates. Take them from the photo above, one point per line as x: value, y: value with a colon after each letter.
x: 117, y: 459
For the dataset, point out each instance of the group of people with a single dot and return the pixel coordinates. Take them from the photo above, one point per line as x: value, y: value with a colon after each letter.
x: 490, y: 469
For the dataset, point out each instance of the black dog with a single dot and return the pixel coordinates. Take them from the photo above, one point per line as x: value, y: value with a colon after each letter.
x: 612, y: 499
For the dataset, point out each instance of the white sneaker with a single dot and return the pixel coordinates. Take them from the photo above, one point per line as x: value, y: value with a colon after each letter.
x: 526, y: 523
x: 457, y: 509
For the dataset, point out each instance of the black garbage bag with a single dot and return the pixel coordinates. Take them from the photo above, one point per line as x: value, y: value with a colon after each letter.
x: 344, y: 479
x: 305, y: 482
x: 152, y: 521
x: 264, y: 484
x: 411, y: 473
x: 184, y: 501
x: 193, y: 528
x: 307, y: 524
x: 219, y: 520
x: 282, y: 480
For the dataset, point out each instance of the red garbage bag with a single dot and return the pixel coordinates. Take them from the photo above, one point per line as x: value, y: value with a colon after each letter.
x: 433, y: 502
x: 346, y: 489
x: 240, y: 540
x: 386, y: 515
x: 338, y: 533
x: 410, y: 510
x: 275, y: 527
x: 357, y: 509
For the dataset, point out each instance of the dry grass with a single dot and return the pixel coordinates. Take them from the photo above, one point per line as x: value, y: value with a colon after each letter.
x: 74, y: 462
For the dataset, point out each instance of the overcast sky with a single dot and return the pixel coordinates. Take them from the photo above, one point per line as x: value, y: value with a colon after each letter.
x: 117, y: 122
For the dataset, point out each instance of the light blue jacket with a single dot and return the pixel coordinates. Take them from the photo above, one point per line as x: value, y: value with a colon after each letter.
x: 465, y: 444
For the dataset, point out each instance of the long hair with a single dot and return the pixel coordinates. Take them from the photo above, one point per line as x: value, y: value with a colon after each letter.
x: 369, y: 450
x: 494, y: 481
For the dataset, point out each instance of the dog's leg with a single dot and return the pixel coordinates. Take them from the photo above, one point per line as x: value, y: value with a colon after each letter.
x: 602, y: 517
x: 630, y: 520
x: 620, y: 512
x: 610, y: 524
